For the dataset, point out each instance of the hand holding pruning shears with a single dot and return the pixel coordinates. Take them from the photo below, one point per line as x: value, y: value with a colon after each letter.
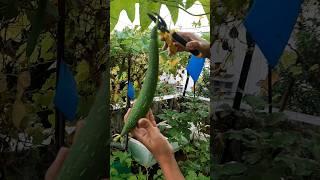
x: 181, y: 41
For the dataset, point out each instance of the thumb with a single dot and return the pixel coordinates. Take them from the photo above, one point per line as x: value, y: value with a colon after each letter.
x: 145, y: 123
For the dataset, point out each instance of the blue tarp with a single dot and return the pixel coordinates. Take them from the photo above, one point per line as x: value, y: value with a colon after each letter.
x: 130, y: 91
x: 195, y: 66
x: 66, y: 97
x: 270, y: 23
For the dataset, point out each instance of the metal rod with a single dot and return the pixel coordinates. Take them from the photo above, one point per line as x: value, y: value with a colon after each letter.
x: 244, y: 72
x: 270, y: 88
x: 60, y: 119
x: 128, y: 100
x: 186, y: 85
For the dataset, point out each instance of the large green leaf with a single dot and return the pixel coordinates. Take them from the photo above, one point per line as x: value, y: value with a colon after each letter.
x: 147, y: 6
x: 46, y: 44
x: 173, y: 7
x: 288, y: 59
x: 116, y: 6
x: 206, y: 7
x: 255, y: 101
x: 115, y: 9
x: 36, y: 27
x: 189, y: 3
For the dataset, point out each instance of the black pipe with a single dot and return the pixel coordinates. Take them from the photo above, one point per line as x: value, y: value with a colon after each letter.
x: 128, y: 99
x: 60, y: 119
x: 244, y: 72
x: 186, y: 85
x: 270, y: 88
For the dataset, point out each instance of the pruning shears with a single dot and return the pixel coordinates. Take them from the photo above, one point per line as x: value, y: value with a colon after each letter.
x: 170, y: 37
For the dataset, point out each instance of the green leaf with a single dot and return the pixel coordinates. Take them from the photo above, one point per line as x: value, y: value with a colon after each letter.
x: 296, y: 70
x: 255, y: 102
x: 147, y: 6
x: 130, y: 7
x: 46, y: 44
x: 174, y: 10
x: 43, y: 99
x: 189, y: 3
x: 252, y: 157
x: 116, y: 6
x: 281, y: 140
x: 191, y: 175
x: 288, y: 59
x: 36, y: 134
x: 52, y: 119
x: 206, y: 7
x: 36, y: 27
x: 82, y: 71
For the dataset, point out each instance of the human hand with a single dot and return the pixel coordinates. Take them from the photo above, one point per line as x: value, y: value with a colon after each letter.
x: 54, y: 169
x: 150, y: 136
x: 194, y: 42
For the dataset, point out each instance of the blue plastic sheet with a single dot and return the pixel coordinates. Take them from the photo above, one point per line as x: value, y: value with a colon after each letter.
x: 270, y: 24
x: 66, y: 97
x: 195, y: 67
x: 130, y: 91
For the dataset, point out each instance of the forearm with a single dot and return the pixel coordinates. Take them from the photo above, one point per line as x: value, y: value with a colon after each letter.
x: 170, y: 168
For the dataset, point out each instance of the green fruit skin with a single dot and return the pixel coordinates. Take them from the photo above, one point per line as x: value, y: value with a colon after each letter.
x: 144, y: 101
x: 88, y: 155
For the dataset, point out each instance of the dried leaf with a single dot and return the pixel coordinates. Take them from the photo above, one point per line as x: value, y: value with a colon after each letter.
x: 18, y: 113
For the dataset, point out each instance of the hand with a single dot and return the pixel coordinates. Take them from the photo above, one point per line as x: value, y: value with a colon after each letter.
x: 194, y: 43
x: 54, y: 169
x: 148, y: 134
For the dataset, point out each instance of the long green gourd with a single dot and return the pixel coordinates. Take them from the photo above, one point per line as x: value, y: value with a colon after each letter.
x: 87, y: 158
x: 144, y: 101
